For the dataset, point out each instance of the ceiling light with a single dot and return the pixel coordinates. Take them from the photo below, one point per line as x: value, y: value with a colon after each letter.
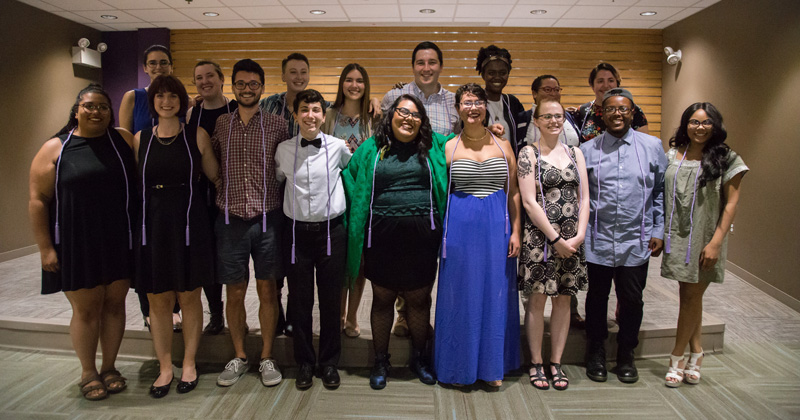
x: 538, y: 12
x: 317, y: 12
x: 110, y: 17
x: 427, y: 11
x: 210, y: 14
x: 650, y: 13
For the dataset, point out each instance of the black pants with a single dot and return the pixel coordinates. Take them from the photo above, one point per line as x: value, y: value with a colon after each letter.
x: 629, y: 283
x: 311, y: 254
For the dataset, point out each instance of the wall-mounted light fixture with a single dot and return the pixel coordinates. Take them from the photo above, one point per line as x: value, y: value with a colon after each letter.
x: 673, y: 57
x: 82, y: 55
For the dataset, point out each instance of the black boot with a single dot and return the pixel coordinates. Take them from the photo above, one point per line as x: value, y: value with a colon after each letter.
x: 596, y: 361
x: 380, y: 371
x: 626, y: 369
x: 420, y: 368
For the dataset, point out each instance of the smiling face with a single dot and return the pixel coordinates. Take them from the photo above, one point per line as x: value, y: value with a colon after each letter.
x: 157, y: 63
x: 295, y: 76
x: 353, y: 85
x: 95, y: 121
x: 166, y: 104
x: 309, y: 117
x: 427, y: 68
x: 495, y: 74
x: 700, y: 133
x: 247, y: 97
x: 471, y: 114
x: 555, y: 124
x: 603, y: 82
x: 405, y: 129
x: 617, y: 123
x: 549, y: 90
x: 207, y: 80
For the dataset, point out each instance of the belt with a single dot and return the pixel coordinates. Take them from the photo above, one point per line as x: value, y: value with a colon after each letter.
x: 317, y: 226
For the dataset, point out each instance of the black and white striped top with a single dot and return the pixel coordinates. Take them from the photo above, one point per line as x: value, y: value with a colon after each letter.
x: 480, y: 179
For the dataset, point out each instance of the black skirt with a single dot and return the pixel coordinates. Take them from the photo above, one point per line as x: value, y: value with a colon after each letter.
x: 403, y: 253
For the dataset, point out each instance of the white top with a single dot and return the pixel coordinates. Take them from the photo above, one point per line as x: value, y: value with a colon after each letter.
x: 569, y: 136
x: 310, y: 189
x: 495, y: 111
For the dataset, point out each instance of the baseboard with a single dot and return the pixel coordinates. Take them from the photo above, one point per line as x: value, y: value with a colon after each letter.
x: 19, y: 252
x: 765, y: 287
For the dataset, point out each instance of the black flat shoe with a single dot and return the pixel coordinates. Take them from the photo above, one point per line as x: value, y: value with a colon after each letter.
x: 160, y: 391
x: 330, y: 377
x: 184, y: 387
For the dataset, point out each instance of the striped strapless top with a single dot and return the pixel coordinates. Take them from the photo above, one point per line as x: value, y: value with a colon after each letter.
x: 480, y: 179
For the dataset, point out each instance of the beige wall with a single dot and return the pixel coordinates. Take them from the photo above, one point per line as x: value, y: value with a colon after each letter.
x: 39, y: 86
x: 742, y: 56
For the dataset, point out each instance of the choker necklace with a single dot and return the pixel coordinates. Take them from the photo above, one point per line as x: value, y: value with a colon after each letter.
x: 466, y: 137
x: 166, y: 141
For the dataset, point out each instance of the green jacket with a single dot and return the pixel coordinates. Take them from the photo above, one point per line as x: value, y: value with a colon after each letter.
x: 358, y: 188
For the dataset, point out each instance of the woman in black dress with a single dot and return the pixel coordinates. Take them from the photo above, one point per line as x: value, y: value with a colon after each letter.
x: 175, y: 250
x: 81, y: 203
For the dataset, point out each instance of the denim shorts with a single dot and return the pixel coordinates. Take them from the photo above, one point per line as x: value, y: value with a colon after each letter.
x: 241, y: 239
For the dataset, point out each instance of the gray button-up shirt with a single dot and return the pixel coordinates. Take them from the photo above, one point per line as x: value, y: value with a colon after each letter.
x: 617, y: 205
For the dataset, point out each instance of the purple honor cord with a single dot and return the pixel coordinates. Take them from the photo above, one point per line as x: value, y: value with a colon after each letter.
x: 58, y: 166
x: 667, y: 247
x: 294, y: 193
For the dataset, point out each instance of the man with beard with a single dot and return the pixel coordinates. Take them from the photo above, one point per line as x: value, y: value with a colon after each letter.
x: 626, y: 225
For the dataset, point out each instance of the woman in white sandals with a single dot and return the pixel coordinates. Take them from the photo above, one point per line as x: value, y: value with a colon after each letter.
x: 702, y: 191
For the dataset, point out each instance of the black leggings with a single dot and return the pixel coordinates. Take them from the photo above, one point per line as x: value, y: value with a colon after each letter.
x: 418, y: 316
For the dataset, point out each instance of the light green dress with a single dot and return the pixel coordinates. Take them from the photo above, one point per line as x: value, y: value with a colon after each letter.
x: 708, y: 208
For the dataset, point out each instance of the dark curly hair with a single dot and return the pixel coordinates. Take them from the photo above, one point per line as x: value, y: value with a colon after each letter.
x: 715, y: 151
x: 73, y: 113
x: 384, y: 135
x: 492, y: 52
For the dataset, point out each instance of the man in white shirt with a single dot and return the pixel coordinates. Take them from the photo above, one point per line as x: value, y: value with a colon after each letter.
x: 314, y: 201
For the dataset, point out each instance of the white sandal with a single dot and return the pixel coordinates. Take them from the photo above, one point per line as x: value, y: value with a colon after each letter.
x: 675, y: 374
x: 691, y: 374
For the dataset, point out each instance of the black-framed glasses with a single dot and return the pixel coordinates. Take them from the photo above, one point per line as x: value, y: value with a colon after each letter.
x: 406, y: 113
x: 550, y: 89
x: 695, y: 123
x: 548, y: 117
x: 90, y: 107
x: 155, y: 63
x: 473, y: 104
x: 253, y: 85
x: 624, y: 110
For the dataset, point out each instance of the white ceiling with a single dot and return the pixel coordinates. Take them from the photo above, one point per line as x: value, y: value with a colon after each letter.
x: 188, y: 14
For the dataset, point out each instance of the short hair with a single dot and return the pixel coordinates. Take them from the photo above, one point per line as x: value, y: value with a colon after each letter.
x: 216, y: 67
x: 625, y: 93
x: 249, y: 66
x: 72, y: 122
x: 715, y: 151
x: 604, y: 66
x: 167, y: 83
x: 427, y: 45
x: 156, y: 47
x: 537, y: 82
x: 309, y: 96
x: 474, y: 89
x: 294, y: 56
x: 536, y: 112
x: 491, y: 53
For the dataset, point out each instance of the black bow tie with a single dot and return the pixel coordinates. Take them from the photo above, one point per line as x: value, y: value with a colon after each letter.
x: 316, y: 142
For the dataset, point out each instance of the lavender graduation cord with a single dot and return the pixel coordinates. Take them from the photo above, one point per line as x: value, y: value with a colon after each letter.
x: 199, y: 117
x: 294, y: 193
x: 541, y: 186
x: 58, y: 166
x: 264, y: 157
x: 691, y: 211
x: 450, y: 176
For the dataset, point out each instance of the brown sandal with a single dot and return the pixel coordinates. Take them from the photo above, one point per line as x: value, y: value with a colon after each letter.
x: 113, y: 377
x: 87, y: 389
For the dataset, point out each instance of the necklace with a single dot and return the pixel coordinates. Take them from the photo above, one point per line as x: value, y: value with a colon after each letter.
x: 166, y: 141
x: 468, y: 138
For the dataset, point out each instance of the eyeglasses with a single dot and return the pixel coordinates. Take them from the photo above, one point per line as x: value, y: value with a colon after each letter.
x: 473, y: 104
x: 624, y: 110
x: 405, y: 113
x: 163, y: 63
x: 548, y: 117
x: 550, y: 90
x: 240, y: 85
x: 707, y: 123
x: 90, y: 107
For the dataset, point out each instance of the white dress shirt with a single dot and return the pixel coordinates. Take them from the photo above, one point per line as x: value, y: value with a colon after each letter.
x: 306, y: 199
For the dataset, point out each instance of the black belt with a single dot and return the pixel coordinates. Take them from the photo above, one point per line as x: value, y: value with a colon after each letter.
x: 317, y: 226
x: 163, y: 186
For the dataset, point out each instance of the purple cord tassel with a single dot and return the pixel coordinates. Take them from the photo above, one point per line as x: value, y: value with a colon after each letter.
x: 444, y: 247
x: 507, y: 223
x: 144, y: 236
x: 369, y: 237
x: 130, y: 239
x: 689, y: 253
x: 58, y: 235
x: 227, y: 220
x: 545, y: 250
x: 329, y: 245
x: 433, y: 225
x: 666, y: 244
x: 264, y: 223
x: 187, y: 235
x: 292, y: 253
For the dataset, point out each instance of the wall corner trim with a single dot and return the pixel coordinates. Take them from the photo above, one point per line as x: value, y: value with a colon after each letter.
x: 17, y: 253
x: 765, y: 287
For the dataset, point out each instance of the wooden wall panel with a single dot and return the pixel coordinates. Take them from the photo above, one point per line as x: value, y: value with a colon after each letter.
x: 567, y: 53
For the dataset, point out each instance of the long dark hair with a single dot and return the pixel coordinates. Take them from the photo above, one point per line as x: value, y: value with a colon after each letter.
x: 364, y: 107
x: 384, y: 136
x: 715, y: 151
x: 72, y: 122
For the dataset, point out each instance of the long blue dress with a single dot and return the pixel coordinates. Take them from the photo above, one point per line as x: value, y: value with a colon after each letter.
x: 477, y: 304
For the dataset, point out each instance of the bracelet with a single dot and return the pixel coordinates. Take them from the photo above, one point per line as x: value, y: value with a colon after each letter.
x: 553, y: 242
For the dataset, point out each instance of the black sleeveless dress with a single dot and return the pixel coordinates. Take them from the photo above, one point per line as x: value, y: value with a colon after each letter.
x: 93, y: 219
x: 164, y: 260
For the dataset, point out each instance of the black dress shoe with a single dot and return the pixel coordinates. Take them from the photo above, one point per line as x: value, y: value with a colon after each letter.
x: 626, y: 372
x: 330, y: 377
x: 215, y: 325
x: 420, y: 368
x: 184, y: 387
x: 160, y: 391
x: 305, y: 377
x: 596, y: 366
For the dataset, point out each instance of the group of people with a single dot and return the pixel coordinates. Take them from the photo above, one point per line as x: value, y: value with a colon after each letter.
x: 464, y: 184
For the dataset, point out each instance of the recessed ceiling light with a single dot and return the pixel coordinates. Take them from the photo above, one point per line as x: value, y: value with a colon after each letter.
x: 538, y: 12
x: 427, y: 11
x: 317, y: 12
x: 211, y: 14
x: 111, y: 17
x: 647, y: 13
